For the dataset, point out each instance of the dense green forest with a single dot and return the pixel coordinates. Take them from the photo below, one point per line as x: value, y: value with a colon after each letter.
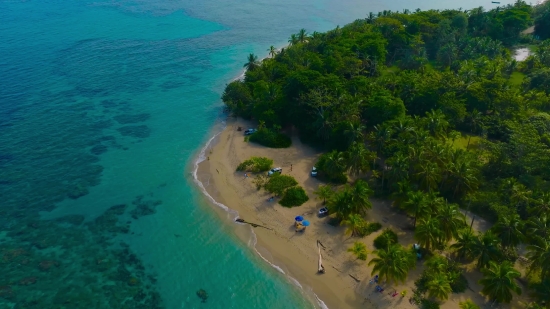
x: 427, y: 108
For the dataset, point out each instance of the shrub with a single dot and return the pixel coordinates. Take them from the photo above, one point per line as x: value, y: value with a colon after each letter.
x: 339, y: 179
x: 279, y: 183
x: 387, y: 238
x: 460, y: 284
x: 294, y: 196
x: 256, y: 164
x: 270, y: 138
x: 370, y: 228
x: 428, y: 304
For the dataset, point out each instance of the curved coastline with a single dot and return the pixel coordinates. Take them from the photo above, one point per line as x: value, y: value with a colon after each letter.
x: 201, y: 157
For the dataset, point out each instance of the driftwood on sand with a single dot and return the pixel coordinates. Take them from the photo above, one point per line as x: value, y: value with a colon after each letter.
x: 321, y: 268
x: 357, y: 280
x: 253, y: 224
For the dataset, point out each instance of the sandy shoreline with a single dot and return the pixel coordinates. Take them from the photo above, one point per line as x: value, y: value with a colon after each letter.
x: 296, y: 253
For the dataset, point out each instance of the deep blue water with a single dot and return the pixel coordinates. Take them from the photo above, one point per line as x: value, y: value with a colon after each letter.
x: 103, y: 107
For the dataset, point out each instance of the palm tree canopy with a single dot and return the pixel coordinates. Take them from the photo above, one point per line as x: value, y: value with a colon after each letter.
x: 359, y: 250
x: 468, y: 304
x: 464, y: 245
x: 538, y: 254
x: 302, y: 36
x: 354, y: 223
x: 538, y: 226
x: 451, y: 220
x: 252, y: 62
x: 428, y: 233
x: 499, y: 281
x: 272, y: 51
x: 393, y: 263
x: 439, y: 286
x: 509, y: 230
x: 324, y: 192
x: 485, y: 249
x: 360, y: 197
x: 357, y: 158
x: 415, y: 205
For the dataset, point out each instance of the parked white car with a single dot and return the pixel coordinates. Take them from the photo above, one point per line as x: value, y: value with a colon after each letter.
x: 250, y: 131
x: 314, y: 172
x: 275, y: 170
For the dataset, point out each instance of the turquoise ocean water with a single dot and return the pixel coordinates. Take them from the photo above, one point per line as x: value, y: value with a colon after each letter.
x: 104, y: 106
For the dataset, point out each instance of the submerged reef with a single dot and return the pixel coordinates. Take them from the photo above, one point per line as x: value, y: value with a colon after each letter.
x: 48, y: 155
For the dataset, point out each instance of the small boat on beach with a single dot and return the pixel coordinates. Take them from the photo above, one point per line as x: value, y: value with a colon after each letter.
x: 495, y: 2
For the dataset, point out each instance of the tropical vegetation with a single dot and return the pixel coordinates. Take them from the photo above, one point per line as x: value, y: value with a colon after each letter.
x: 429, y: 109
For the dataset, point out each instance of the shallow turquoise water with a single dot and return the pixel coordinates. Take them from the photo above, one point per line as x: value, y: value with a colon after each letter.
x: 107, y: 103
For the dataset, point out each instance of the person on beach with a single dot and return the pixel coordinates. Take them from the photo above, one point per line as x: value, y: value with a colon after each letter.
x: 245, y: 175
x: 291, y: 167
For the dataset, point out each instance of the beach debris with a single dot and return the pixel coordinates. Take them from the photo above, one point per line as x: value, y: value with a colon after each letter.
x: 202, y: 295
x: 354, y: 278
x: 321, y: 268
x: 253, y: 224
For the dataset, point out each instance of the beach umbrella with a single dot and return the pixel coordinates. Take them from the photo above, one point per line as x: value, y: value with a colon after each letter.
x: 305, y: 223
x: 299, y: 218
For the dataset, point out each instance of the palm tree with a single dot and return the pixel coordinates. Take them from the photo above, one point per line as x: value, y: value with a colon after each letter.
x: 359, y: 250
x: 541, y: 205
x: 475, y: 120
x: 499, y: 281
x: 434, y: 203
x: 415, y: 205
x: 485, y: 249
x: 393, y: 263
x: 380, y: 137
x: 354, y: 224
x: 436, y: 123
x: 465, y: 242
x: 437, y: 264
x: 335, y: 163
x: 509, y: 230
x: 451, y: 220
x: 324, y: 192
x: 468, y: 304
x: 538, y: 254
x: 272, y: 51
x: 340, y: 204
x: 429, y: 174
x: 428, y: 233
x: 357, y: 158
x: 439, y: 286
x: 360, y: 193
x: 293, y: 40
x: 399, y: 167
x: 354, y: 132
x: 537, y: 226
x: 302, y: 36
x: 370, y: 18
x: 252, y: 62
x: 462, y: 176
